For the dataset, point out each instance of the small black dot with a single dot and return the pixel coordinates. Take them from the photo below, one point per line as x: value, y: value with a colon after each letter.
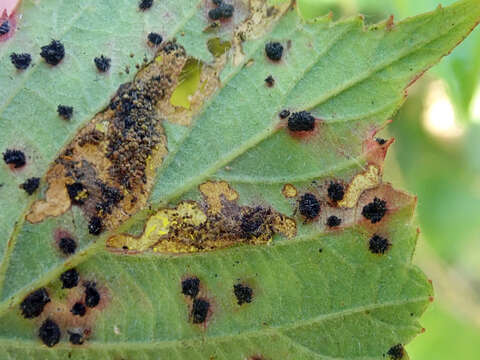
x: 274, y: 50
x: 284, y: 114
x: 215, y: 14
x: 155, y: 39
x: 67, y: 245
x: 243, y: 293
x: 76, y: 339
x: 4, y: 28
x: 145, y: 4
x: 226, y: 10
x: 53, y: 53
x: 270, y: 81
x: 20, y: 61
x: 14, y: 157
x: 396, y: 352
x: 375, y: 210
x: 333, y: 221
x: 200, y: 309
x: 92, y: 296
x: 380, y: 141
x: 335, y: 191
x: 378, y: 244
x: 49, y: 333
x: 309, y: 206
x: 76, y: 192
x: 95, y: 226
x: 301, y: 121
x: 33, y: 304
x: 69, y: 279
x: 78, y: 309
x: 65, y: 111
x: 102, y: 63
x: 30, y: 185
x: 191, y: 287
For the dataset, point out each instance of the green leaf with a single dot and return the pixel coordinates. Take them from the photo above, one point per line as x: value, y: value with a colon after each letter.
x: 317, y: 292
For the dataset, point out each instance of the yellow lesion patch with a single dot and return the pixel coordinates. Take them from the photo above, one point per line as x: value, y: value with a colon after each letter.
x: 219, y: 222
x: 289, y: 191
x: 367, y: 180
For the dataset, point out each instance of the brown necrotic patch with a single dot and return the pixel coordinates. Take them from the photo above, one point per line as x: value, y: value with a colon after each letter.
x: 108, y: 168
x: 217, y: 222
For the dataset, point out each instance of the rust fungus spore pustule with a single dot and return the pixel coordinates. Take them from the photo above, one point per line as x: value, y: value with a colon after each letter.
x: 78, y: 309
x: 191, y: 287
x: 21, y: 61
x: 15, y: 158
x: 30, y: 185
x: 274, y: 50
x: 301, y: 121
x: 336, y: 191
x: 378, y: 245
x: 243, y: 293
x: 65, y: 111
x: 309, y: 206
x: 200, y: 308
x: 53, y: 53
x: 102, y: 63
x: 49, y: 333
x: 67, y: 245
x: 69, y: 279
x: 396, y: 352
x: 333, y: 221
x: 375, y: 211
x: 33, y: 304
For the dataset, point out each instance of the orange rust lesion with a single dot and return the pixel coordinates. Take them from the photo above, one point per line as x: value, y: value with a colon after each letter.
x: 215, y: 223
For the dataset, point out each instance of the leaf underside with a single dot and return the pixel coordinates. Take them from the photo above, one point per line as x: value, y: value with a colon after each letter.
x: 317, y: 292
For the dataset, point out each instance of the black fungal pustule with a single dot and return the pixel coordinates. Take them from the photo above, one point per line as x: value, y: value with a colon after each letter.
x: 222, y: 11
x: 95, y: 226
x: 4, y: 28
x: 396, y: 352
x: 33, y: 304
x: 49, y: 333
x: 145, y: 4
x: 20, y: 61
x: 78, y: 309
x: 30, y: 185
x: 284, y: 114
x: 301, y: 121
x: 76, y: 338
x: 92, y: 296
x: 243, y: 293
x: 380, y: 141
x: 191, y: 287
x: 255, y: 222
x: 270, y: 81
x: 309, y: 206
x: 199, y: 312
x: 53, y: 53
x: 375, y: 210
x: 155, y: 39
x: 15, y: 158
x: 65, y: 111
x: 274, y: 50
x: 333, y: 221
x: 102, y: 63
x: 77, y: 193
x: 336, y: 191
x: 378, y: 244
x: 67, y: 245
x: 69, y: 279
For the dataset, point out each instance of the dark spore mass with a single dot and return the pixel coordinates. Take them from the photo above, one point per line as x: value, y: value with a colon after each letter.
x: 53, y: 53
x: 378, y: 244
x: 33, y: 304
x: 226, y: 10
x: 49, y: 333
x: 102, y: 63
x: 78, y: 309
x: 30, y: 185
x: 145, y: 4
x: 65, y: 111
x: 375, y: 210
x: 67, y: 245
x: 253, y: 220
x: 20, y: 61
x: 76, y: 192
x: 309, y: 206
x: 333, y: 221
x: 200, y: 310
x: 396, y: 352
x: 215, y: 14
x: 270, y: 81
x: 92, y: 296
x: 301, y: 121
x: 335, y: 191
x: 284, y: 114
x: 155, y: 39
x: 191, y: 287
x: 14, y: 157
x: 69, y: 279
x: 95, y: 226
x: 76, y: 339
x: 5, y: 28
x: 380, y: 141
x: 243, y: 293
x: 274, y: 50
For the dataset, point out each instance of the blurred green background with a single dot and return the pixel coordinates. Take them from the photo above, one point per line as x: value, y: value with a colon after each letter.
x: 437, y: 156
